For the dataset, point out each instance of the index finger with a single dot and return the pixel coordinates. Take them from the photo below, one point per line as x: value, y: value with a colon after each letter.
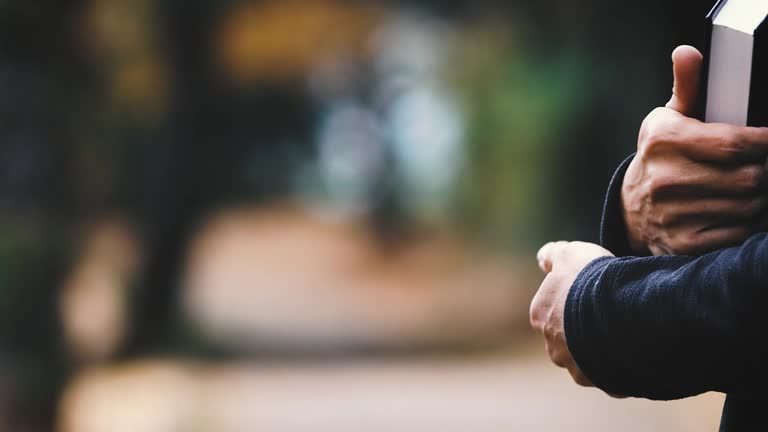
x: 720, y: 143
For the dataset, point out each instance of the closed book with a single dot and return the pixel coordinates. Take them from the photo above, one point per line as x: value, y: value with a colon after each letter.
x: 735, y: 84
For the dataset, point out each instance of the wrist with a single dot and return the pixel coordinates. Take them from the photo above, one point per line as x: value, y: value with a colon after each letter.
x: 635, y: 239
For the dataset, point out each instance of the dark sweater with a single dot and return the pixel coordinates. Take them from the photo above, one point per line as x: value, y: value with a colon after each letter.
x: 671, y: 327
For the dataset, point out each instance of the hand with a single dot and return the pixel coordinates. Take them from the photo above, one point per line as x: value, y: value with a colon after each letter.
x: 562, y: 261
x: 693, y: 187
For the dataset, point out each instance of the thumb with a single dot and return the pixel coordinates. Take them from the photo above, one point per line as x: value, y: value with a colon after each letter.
x: 686, y: 62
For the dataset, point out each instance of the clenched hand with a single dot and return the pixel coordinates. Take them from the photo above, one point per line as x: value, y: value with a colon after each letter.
x: 562, y: 262
x: 693, y: 187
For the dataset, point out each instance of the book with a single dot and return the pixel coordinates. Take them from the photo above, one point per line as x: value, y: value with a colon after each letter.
x: 735, y: 73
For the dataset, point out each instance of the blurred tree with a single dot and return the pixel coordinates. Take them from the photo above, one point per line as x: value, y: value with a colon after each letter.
x: 38, y: 204
x: 229, y: 141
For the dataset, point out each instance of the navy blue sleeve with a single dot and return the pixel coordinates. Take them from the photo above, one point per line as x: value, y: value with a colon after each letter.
x: 613, y: 230
x: 671, y: 327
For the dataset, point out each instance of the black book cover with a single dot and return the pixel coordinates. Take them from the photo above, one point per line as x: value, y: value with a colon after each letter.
x: 758, y: 96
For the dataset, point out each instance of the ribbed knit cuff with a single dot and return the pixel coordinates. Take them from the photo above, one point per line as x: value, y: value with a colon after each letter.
x: 613, y: 229
x: 581, y: 322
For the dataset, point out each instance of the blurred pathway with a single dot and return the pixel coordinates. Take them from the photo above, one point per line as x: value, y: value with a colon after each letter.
x: 497, y: 393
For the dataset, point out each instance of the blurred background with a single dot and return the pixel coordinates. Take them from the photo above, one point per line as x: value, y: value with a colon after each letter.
x: 289, y: 215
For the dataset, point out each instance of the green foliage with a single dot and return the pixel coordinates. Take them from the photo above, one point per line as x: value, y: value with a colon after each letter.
x: 519, y: 103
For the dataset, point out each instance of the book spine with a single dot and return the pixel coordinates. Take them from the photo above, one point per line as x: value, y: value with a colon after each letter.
x: 758, y: 92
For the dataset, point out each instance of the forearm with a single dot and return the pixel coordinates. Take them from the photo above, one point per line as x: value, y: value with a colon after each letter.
x: 670, y: 327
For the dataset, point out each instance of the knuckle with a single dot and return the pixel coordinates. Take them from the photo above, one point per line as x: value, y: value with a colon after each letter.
x: 658, y: 185
x: 677, y: 241
x: 736, y: 141
x: 534, y: 314
x: 750, y: 178
x: 732, y: 145
x: 659, y: 138
x: 658, y: 131
x: 691, y: 240
x: 535, y: 321
x: 557, y: 357
x: 663, y: 219
x: 685, y: 238
x: 652, y: 143
x: 657, y: 215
